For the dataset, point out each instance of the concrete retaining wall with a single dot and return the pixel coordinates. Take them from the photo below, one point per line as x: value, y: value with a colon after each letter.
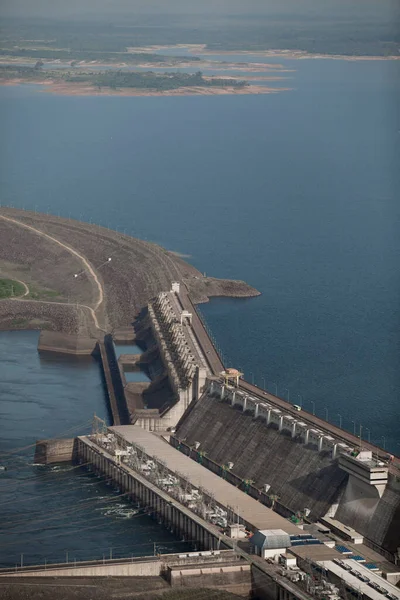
x: 55, y: 451
x: 114, y: 382
x: 133, y: 569
x: 377, y: 519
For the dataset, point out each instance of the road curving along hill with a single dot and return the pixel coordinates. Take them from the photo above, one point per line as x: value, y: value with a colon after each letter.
x: 84, y: 279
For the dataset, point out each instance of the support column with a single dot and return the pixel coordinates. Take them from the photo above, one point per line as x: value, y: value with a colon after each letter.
x: 222, y: 392
x: 306, y: 437
x: 280, y: 426
x: 244, y: 403
x: 268, y: 416
x: 256, y: 410
x: 233, y: 398
x: 334, y: 451
x: 320, y: 443
x: 294, y: 429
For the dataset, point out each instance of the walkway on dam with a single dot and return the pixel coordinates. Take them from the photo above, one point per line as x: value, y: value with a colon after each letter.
x: 225, y: 494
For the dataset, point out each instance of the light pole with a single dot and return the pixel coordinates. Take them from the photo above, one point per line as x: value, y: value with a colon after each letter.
x: 276, y: 387
x: 252, y: 377
x: 301, y: 400
x: 288, y: 393
x: 384, y: 442
x: 326, y: 414
x: 263, y: 380
x: 354, y: 427
x: 340, y: 420
x: 313, y: 406
x: 369, y: 435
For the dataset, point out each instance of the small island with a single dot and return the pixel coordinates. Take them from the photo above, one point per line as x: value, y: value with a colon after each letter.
x: 123, y: 82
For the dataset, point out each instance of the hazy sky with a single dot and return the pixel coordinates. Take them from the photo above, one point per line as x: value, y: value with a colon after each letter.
x: 110, y: 8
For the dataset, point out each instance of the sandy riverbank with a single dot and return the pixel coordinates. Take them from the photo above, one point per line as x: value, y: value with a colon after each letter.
x: 82, y: 89
x: 201, y: 49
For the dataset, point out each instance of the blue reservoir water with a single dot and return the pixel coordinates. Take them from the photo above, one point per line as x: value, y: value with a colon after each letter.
x: 127, y: 349
x: 59, y: 513
x: 296, y: 193
x: 136, y: 376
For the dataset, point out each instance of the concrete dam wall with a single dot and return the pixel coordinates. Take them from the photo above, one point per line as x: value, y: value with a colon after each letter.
x: 301, y: 476
x: 378, y: 519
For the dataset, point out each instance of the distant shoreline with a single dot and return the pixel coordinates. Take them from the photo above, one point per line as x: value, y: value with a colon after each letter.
x: 78, y: 89
x: 201, y: 49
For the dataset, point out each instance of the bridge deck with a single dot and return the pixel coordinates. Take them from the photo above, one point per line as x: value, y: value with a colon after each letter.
x: 251, y: 511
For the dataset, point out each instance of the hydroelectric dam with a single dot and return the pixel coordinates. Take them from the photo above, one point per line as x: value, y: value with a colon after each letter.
x: 233, y: 468
x: 277, y: 502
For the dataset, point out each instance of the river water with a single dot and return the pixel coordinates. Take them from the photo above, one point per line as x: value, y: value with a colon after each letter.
x: 59, y: 513
x: 296, y: 193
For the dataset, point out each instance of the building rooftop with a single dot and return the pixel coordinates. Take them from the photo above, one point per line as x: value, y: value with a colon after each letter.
x: 225, y: 494
x: 315, y: 552
x: 356, y: 583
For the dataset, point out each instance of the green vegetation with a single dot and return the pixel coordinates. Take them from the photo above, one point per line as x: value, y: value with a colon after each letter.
x: 114, y: 79
x: 10, y: 288
x: 151, y: 81
x: 342, y: 29
x: 19, y: 322
x: 42, y: 294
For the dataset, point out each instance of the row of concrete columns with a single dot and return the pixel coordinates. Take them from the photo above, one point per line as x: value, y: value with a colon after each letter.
x: 275, y: 415
x: 167, y: 513
x: 174, y: 331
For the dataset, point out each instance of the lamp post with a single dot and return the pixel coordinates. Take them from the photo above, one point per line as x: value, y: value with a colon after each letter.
x: 340, y: 420
x: 276, y: 387
x: 354, y: 427
x: 263, y: 380
x: 326, y: 414
x: 313, y: 406
x: 288, y: 394
x: 301, y: 400
x: 369, y: 435
x: 384, y: 442
x: 252, y: 377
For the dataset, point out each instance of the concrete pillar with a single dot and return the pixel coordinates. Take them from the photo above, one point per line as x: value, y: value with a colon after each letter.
x: 294, y: 429
x: 256, y: 410
x: 233, y: 398
x: 306, y: 436
x: 320, y: 443
x: 334, y: 451
x: 280, y: 426
x: 244, y: 403
x: 268, y: 416
x: 222, y: 392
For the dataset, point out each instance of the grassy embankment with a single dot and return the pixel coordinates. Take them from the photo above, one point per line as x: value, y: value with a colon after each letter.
x: 10, y: 288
